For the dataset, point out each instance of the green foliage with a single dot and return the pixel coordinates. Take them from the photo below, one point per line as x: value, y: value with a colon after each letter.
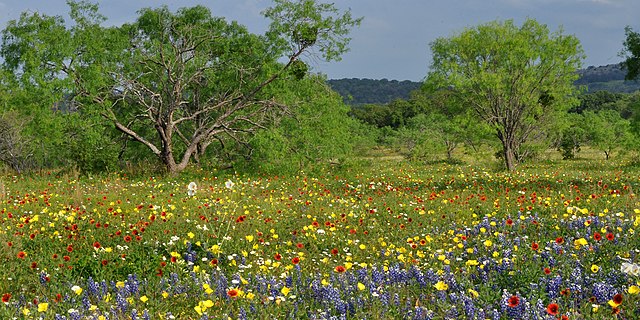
x: 632, y: 50
x: 607, y: 131
x: 317, y: 131
x: 501, y: 71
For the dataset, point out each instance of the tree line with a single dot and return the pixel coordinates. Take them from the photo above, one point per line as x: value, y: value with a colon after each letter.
x: 187, y: 88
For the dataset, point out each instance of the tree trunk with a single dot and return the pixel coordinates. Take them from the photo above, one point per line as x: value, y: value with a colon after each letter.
x: 508, y: 152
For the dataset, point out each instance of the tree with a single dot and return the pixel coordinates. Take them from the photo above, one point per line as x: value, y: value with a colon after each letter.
x: 514, y: 78
x: 607, y: 130
x: 176, y: 82
x: 632, y: 49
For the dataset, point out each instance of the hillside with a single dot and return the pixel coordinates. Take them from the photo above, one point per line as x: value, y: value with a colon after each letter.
x: 368, y: 91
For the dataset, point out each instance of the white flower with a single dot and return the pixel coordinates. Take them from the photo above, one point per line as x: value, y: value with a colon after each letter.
x: 630, y: 268
x: 191, y: 189
x: 229, y: 184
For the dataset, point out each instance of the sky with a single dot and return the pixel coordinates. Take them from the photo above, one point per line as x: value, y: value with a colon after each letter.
x: 393, y: 40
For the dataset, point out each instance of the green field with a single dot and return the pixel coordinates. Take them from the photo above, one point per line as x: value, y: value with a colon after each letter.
x: 388, y: 241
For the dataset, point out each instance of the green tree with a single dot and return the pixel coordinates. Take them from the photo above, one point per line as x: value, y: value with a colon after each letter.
x: 174, y: 82
x: 316, y: 130
x: 514, y: 78
x: 632, y: 52
x: 607, y: 131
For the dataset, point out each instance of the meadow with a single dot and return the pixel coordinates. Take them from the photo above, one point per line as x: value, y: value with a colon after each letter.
x: 557, y: 240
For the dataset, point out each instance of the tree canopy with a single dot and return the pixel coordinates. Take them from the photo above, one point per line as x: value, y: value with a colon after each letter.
x: 514, y: 77
x: 174, y: 82
x: 632, y: 49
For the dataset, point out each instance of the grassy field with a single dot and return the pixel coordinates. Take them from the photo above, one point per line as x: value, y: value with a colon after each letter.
x: 391, y: 241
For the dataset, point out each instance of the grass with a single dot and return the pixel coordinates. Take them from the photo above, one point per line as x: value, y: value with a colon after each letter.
x: 386, y: 241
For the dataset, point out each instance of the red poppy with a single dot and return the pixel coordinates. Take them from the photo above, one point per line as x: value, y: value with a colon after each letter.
x: 174, y: 259
x: 334, y: 251
x: 127, y: 238
x: 66, y: 258
x: 534, y: 246
x: 610, y: 236
x: 21, y: 254
x: 6, y: 297
x: 547, y: 271
x: 277, y: 256
x: 552, y: 309
x: 513, y: 302
x: 232, y: 293
x: 96, y: 245
x: 617, y: 298
x: 559, y: 240
x: 597, y: 236
x: 104, y: 262
x: 69, y: 248
x: 340, y: 269
x: 300, y: 245
x: 509, y: 222
x: 295, y: 260
x: 214, y: 262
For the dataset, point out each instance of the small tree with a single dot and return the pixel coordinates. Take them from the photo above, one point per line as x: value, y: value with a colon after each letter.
x: 514, y: 78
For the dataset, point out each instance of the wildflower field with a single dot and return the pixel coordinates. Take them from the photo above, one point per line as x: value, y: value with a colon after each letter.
x: 394, y: 241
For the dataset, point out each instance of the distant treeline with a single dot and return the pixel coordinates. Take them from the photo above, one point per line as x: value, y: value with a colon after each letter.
x: 368, y: 91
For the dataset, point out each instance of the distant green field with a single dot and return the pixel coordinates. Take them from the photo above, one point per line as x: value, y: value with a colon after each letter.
x: 389, y: 241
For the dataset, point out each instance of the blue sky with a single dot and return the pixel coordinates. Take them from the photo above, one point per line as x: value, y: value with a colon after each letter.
x: 393, y: 40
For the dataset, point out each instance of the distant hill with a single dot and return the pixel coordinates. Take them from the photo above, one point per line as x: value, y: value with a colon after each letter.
x: 607, y: 78
x: 368, y: 91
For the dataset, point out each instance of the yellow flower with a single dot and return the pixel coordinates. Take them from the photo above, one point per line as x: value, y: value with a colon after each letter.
x: 285, y: 290
x: 634, y: 290
x: 580, y: 242
x: 474, y: 294
x: 144, y: 299
x: 191, y: 235
x: 594, y: 268
x: 165, y: 294
x: 77, y: 290
x: 249, y: 238
x: 361, y: 286
x: 472, y: 262
x: 43, y: 306
x: 120, y: 284
x: 207, y: 303
x: 488, y: 243
x: 441, y: 286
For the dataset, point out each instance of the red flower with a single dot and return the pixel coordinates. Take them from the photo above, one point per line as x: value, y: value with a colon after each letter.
x: 334, y: 251
x: 509, y: 222
x: 610, y: 236
x: 277, y: 256
x: 96, y: 245
x: 547, y: 271
x: 597, y: 236
x: 534, y: 246
x: 565, y: 292
x: 34, y: 265
x: 6, y: 297
x: 300, y: 245
x: 559, y: 240
x: 214, y: 262
x: 104, y: 262
x: 66, y: 258
x: 513, y: 302
x: 552, y: 309
x: 232, y: 293
x: 340, y: 269
x: 69, y: 248
x: 127, y: 238
x: 295, y: 260
x: 617, y: 298
x: 174, y: 259
x: 21, y: 254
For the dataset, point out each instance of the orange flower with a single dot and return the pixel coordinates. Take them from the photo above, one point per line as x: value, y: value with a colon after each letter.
x: 513, y: 302
x: 6, y: 297
x: 295, y: 260
x: 534, y: 246
x: 21, y: 254
x: 340, y: 269
x: 552, y: 309
x: 232, y: 293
